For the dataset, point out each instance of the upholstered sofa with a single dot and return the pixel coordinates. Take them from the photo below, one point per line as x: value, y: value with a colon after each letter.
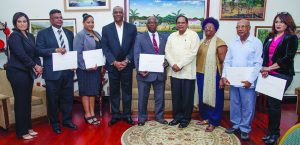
x: 168, y: 97
x: 7, y: 117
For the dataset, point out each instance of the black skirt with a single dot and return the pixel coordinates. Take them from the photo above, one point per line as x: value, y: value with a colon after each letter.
x: 89, y: 82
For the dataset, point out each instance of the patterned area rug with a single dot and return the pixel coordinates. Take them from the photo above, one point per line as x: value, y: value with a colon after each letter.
x: 154, y: 133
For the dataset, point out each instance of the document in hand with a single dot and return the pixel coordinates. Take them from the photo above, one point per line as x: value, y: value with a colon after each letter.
x: 236, y: 75
x: 151, y: 62
x: 93, y: 58
x: 271, y: 86
x: 65, y: 61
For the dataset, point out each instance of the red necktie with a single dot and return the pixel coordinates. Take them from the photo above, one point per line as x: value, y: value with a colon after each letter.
x: 154, y: 44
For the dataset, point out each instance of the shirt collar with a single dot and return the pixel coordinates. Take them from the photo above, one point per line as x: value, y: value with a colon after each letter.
x: 55, y: 29
x: 184, y: 34
x: 117, y: 26
x: 150, y: 34
x: 250, y: 38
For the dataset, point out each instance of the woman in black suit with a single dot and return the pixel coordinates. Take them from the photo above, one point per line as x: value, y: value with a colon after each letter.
x: 279, y: 51
x: 22, y: 68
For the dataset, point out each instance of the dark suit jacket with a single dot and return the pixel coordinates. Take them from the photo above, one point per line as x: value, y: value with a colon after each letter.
x: 23, y: 54
x: 144, y: 45
x: 283, y: 55
x: 46, y: 44
x: 111, y: 46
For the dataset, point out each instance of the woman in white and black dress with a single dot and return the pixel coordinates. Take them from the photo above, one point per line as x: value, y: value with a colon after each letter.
x: 89, y: 80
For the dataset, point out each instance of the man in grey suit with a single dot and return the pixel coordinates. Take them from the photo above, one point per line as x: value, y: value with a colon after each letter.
x: 150, y: 43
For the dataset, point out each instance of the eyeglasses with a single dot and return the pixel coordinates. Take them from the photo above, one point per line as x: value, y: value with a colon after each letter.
x: 242, y: 27
x: 283, y: 13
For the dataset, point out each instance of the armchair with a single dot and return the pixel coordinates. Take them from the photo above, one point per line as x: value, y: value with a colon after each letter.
x: 7, y: 117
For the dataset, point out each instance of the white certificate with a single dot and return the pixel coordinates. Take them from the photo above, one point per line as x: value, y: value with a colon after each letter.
x: 151, y: 62
x: 65, y: 61
x: 237, y: 74
x: 93, y: 58
x: 271, y: 86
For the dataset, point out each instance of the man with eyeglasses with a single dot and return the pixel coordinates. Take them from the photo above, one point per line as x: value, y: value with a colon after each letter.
x: 244, y: 51
x: 59, y: 84
x: 181, y: 50
x: 150, y: 42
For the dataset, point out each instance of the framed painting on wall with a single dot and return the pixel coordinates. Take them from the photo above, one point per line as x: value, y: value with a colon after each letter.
x: 86, y: 5
x: 166, y: 12
x: 38, y: 24
x: 242, y: 9
x: 262, y: 32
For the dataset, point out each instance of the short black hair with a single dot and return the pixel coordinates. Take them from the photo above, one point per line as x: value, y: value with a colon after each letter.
x: 186, y: 19
x: 16, y: 16
x: 53, y: 11
x: 85, y: 16
x: 210, y: 20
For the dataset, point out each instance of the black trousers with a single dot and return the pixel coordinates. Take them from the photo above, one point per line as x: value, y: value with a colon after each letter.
x: 183, y: 91
x: 274, y: 107
x: 120, y: 80
x: 60, y: 98
x: 21, y: 83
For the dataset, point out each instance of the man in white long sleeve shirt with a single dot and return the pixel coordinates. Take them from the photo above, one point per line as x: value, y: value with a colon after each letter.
x: 244, y: 51
x: 181, y: 50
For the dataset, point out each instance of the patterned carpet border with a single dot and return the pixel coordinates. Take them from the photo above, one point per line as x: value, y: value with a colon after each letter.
x: 154, y: 133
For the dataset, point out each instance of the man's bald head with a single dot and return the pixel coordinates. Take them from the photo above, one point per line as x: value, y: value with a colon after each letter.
x: 243, y: 29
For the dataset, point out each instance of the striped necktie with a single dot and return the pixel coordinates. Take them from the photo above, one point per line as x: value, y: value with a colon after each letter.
x: 61, y: 39
x: 154, y: 44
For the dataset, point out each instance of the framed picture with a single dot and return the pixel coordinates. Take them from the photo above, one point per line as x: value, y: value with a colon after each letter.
x: 38, y: 24
x: 166, y: 12
x: 243, y: 9
x: 262, y: 32
x: 86, y: 5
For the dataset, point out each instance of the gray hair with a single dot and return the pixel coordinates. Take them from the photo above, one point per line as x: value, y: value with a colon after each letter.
x: 152, y: 17
x: 117, y: 7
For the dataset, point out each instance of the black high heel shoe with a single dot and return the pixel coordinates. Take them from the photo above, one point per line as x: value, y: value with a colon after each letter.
x: 96, y: 121
x: 267, y: 137
x: 273, y: 139
x: 89, y: 120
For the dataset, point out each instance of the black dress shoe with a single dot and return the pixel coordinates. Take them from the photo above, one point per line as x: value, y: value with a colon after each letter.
x: 129, y: 121
x: 141, y: 123
x: 174, y: 122
x: 232, y: 130
x: 162, y: 121
x: 183, y: 125
x: 70, y: 125
x: 56, y: 130
x: 272, y: 140
x: 113, y: 121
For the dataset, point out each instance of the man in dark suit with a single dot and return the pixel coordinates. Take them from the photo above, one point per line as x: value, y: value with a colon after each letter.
x: 117, y: 43
x: 150, y: 43
x: 59, y: 84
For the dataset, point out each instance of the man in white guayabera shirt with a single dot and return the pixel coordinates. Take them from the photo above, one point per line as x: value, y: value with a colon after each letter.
x: 244, y: 51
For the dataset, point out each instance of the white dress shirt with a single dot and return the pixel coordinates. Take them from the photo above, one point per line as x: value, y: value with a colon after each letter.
x: 64, y: 37
x: 182, y: 50
x: 120, y: 32
x: 247, y: 54
x: 156, y: 37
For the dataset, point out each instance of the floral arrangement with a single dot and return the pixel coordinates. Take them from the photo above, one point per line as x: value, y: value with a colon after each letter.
x: 6, y: 31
